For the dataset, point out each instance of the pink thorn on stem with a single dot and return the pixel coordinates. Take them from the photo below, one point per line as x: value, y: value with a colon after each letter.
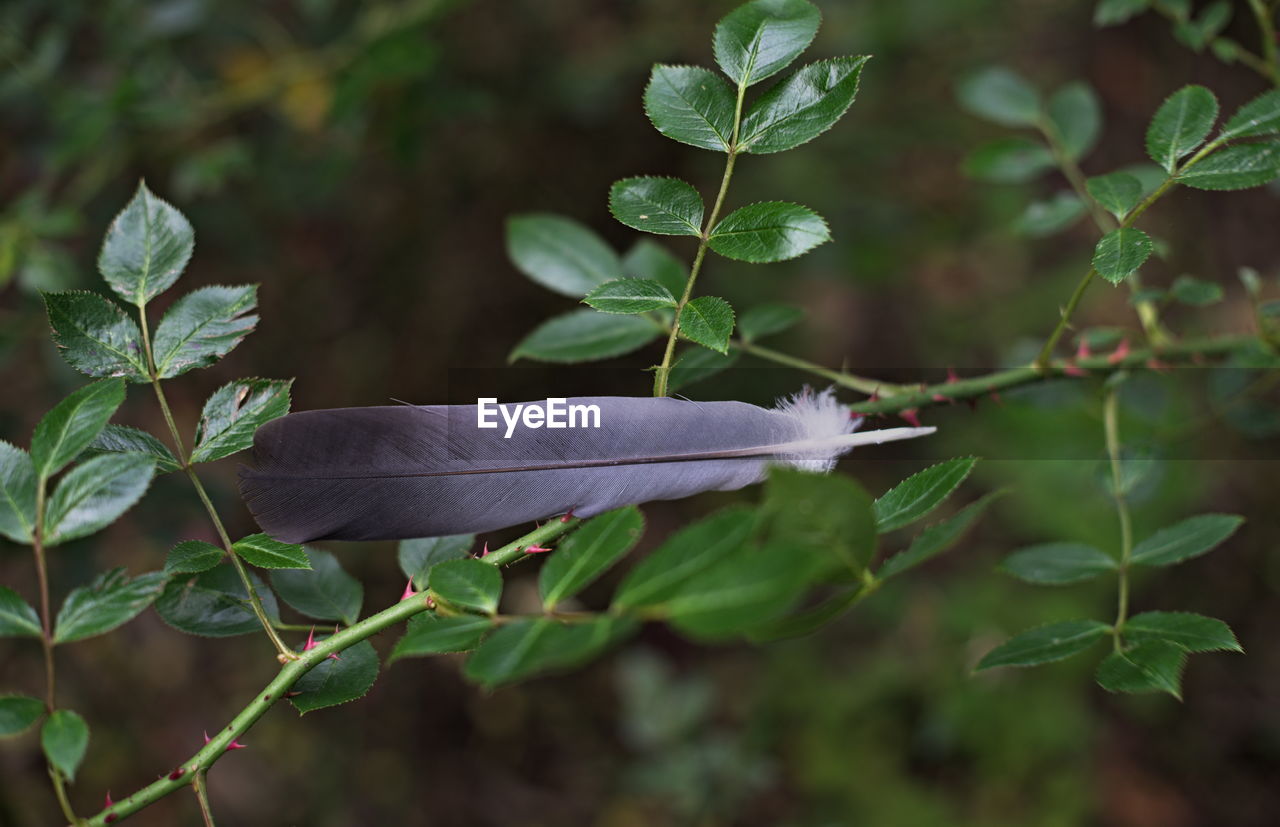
x: 911, y: 416
x: 108, y: 802
x: 1120, y: 353
x: 206, y: 736
x: 937, y: 397
x: 535, y: 549
x: 176, y: 774
x: 1082, y: 351
x: 235, y: 744
x: 1071, y: 369
x: 951, y: 376
x: 485, y: 552
x: 408, y: 591
x: 568, y: 515
x: 311, y: 640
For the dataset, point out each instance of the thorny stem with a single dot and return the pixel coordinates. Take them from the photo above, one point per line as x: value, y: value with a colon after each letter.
x: 1110, y: 416
x: 192, y: 770
x: 861, y: 384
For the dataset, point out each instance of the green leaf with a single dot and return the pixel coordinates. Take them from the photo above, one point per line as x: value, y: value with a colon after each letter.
x: 585, y: 336
x: 708, y: 321
x: 760, y: 38
x: 1076, y: 116
x: 18, y: 713
x: 72, y: 424
x: 202, y: 327
x: 1056, y: 564
x: 689, y: 551
x: 1193, y: 632
x: 147, y: 247
x: 468, y: 584
x: 17, y: 618
x: 1235, y: 168
x: 1117, y: 192
x: 121, y: 439
x: 1260, y: 116
x: 1195, y: 292
x: 630, y: 296
x: 1009, y: 161
x: 192, y: 557
x: 234, y: 412
x: 17, y: 493
x: 95, y: 336
x: 649, y: 260
x: 666, y: 206
x: 560, y: 254
x: 335, y: 681
x: 1042, y: 218
x: 266, y: 553
x: 1000, y: 95
x: 1044, y: 644
x: 524, y: 648
x: 691, y: 105
x: 1120, y: 253
x: 1190, y: 538
x: 588, y: 553
x: 769, y: 231
x: 1115, y: 12
x: 802, y: 106
x: 325, y: 592
x: 829, y: 514
x: 418, y: 557
x: 65, y: 738
x: 94, y: 493
x: 432, y: 634
x: 920, y: 493
x: 111, y: 600
x: 766, y: 320
x: 808, y: 621
x: 936, y: 539
x: 1198, y: 33
x: 214, y: 603
x: 1180, y: 125
x: 696, y: 364
x: 1150, y: 666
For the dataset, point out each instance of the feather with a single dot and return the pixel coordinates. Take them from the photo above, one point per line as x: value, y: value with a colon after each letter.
x: 386, y: 473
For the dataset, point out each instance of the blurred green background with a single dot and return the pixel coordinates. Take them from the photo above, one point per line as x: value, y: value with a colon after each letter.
x: 358, y: 160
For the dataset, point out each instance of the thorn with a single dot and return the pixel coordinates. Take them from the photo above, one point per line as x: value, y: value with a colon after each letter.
x: 206, y: 736
x: 111, y: 817
x: 176, y: 774
x: 292, y: 693
x: 1082, y: 351
x: 951, y: 376
x: 108, y: 803
x: 568, y: 515
x: 535, y: 549
x: 311, y: 640
x: 485, y: 552
x: 937, y: 397
x: 1072, y: 369
x: 910, y: 415
x: 408, y: 591
x: 235, y: 744
x: 1120, y: 353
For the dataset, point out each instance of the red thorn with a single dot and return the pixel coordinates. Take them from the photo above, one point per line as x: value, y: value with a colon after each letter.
x: 951, y: 376
x: 875, y: 396
x: 111, y: 817
x: 1074, y: 370
x: 1119, y: 354
x: 485, y: 552
x: 109, y: 802
x: 1082, y: 351
x: 910, y: 415
x: 292, y: 693
x: 311, y: 640
x: 408, y: 590
x: 176, y: 774
x: 568, y: 515
x: 206, y: 736
x: 535, y: 549
x: 937, y: 397
x: 235, y: 744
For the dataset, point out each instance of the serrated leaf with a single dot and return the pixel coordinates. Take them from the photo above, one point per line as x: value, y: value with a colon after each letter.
x: 649, y: 260
x: 1009, y: 161
x: 94, y: 493
x: 920, y: 493
x: 630, y: 296
x: 417, y: 557
x: 585, y: 336
x: 692, y: 105
x: 766, y: 320
x: 1182, y: 541
x: 519, y: 650
x: 560, y: 254
x: 72, y: 424
x: 808, y: 621
x: 192, y: 557
x: 17, y: 493
x: 147, y: 247
x: 1116, y: 192
x: 1260, y: 116
x: 1000, y: 95
x: 326, y: 592
x: 17, y: 618
x: 1195, y: 292
x: 1042, y: 218
x: 214, y: 603
x: 1115, y: 12
x: 1150, y: 666
x: 1057, y: 564
x: 111, y: 600
x: 468, y: 584
x: 1120, y: 253
x: 1180, y: 125
x: 1193, y: 632
x: 588, y: 553
x: 95, y: 336
x: 802, y: 106
x: 666, y: 206
x: 708, y: 321
x: 760, y: 38
x: 121, y: 439
x: 1076, y: 116
x: 1235, y: 168
x: 267, y: 553
x: 936, y: 539
x: 64, y: 739
x: 686, y: 553
x: 830, y: 514
x: 335, y: 681
x: 433, y: 634
x: 696, y: 364
x: 18, y: 713
x: 234, y: 412
x: 1045, y: 644
x: 769, y: 231
x: 202, y: 327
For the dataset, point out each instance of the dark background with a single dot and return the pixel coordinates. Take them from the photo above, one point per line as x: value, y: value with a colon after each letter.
x: 359, y: 165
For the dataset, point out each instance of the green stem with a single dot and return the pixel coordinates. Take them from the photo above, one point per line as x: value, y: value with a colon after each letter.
x: 64, y: 802
x: 199, y: 786
x: 862, y: 384
x: 1267, y: 30
x: 42, y: 577
x: 1111, y: 424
